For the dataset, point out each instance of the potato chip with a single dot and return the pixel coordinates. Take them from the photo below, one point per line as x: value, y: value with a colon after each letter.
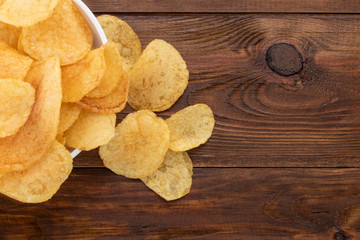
x: 138, y: 147
x: 125, y: 38
x: 40, y: 181
x: 190, y: 127
x: 27, y: 146
x: 113, y: 103
x: 80, y: 78
x: 60, y: 138
x: 65, y: 34
x: 20, y: 47
x: 33, y: 77
x: 90, y: 130
x: 158, y: 78
x: 113, y: 74
x: 13, y: 64
x: 23, y: 13
x: 69, y: 112
x: 16, y: 101
x: 9, y: 34
x: 173, y: 179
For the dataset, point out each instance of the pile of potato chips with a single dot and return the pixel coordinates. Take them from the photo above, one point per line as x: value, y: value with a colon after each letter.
x: 57, y: 91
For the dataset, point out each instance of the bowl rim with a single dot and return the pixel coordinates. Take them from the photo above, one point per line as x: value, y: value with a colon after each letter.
x: 80, y: 4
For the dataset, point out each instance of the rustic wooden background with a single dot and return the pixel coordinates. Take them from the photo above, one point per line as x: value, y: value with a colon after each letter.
x: 284, y: 158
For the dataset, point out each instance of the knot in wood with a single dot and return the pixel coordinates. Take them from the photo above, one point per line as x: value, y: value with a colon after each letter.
x: 284, y: 59
x: 340, y: 235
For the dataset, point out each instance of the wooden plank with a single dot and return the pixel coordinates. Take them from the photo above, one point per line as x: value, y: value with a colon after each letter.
x: 308, y: 119
x: 231, y: 6
x: 228, y: 203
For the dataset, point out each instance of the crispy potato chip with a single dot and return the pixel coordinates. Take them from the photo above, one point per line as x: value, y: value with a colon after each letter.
x: 138, y: 147
x: 69, y: 112
x: 113, y: 74
x: 13, y: 64
x: 113, y: 103
x: 60, y: 138
x: 190, y: 127
x: 125, y: 38
x: 173, y: 179
x: 80, y: 78
x: 23, y: 13
x: 65, y: 34
x: 9, y: 34
x: 40, y: 181
x: 29, y: 144
x: 158, y: 78
x: 20, y: 47
x: 90, y: 130
x: 16, y: 101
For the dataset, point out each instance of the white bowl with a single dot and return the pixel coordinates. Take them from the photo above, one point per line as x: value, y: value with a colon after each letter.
x: 94, y: 25
x: 98, y: 36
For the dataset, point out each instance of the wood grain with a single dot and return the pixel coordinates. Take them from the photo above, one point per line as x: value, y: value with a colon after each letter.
x: 223, y: 203
x: 230, y: 6
x: 310, y: 119
x: 294, y: 122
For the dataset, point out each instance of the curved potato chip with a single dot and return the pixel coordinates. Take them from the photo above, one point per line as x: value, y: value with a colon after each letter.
x: 16, y: 101
x: 13, y: 64
x: 22, y: 13
x: 90, y: 130
x: 125, y: 38
x: 190, y: 127
x: 138, y: 147
x: 158, y: 78
x: 65, y: 34
x: 27, y: 146
x: 60, y: 138
x: 113, y: 73
x: 173, y: 179
x: 69, y: 112
x: 9, y: 34
x: 80, y: 78
x: 20, y: 47
x: 113, y: 103
x: 40, y: 181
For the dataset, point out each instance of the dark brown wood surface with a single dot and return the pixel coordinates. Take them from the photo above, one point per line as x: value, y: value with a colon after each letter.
x: 225, y: 203
x: 284, y: 158
x: 309, y: 119
x: 221, y: 6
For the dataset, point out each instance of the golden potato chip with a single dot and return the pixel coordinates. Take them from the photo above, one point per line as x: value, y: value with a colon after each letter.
x: 138, y: 147
x: 16, y: 101
x: 23, y: 13
x: 60, y: 138
x: 65, y: 34
x: 125, y: 38
x: 40, y: 181
x: 80, y: 78
x: 173, y: 179
x: 27, y: 146
x: 190, y: 127
x: 113, y: 103
x: 158, y: 78
x: 113, y: 73
x: 9, y: 34
x: 13, y: 64
x: 69, y: 112
x: 20, y: 47
x: 90, y: 130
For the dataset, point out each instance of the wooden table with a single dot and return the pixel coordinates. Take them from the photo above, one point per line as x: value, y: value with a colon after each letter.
x: 283, y: 80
